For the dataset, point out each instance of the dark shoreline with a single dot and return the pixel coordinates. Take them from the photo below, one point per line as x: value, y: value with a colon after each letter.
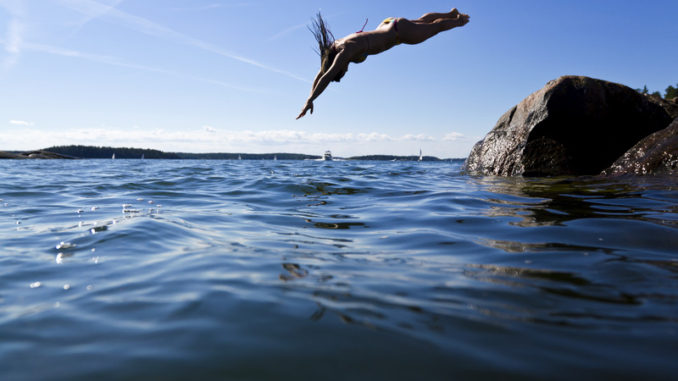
x: 89, y: 152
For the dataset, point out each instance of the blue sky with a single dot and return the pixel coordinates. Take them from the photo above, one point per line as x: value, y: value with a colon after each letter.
x: 232, y: 75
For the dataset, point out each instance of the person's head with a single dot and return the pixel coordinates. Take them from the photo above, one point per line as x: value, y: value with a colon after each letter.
x: 326, y: 49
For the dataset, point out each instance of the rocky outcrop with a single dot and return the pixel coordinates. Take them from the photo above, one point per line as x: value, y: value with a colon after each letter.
x: 572, y: 126
x: 669, y: 105
x: 8, y: 155
x: 33, y: 155
x: 656, y: 154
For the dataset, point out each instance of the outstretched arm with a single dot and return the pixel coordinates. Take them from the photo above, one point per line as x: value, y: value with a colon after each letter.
x: 339, y: 64
x: 315, y: 81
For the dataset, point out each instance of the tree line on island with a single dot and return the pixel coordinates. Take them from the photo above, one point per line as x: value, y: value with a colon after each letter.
x: 94, y: 152
x: 670, y: 92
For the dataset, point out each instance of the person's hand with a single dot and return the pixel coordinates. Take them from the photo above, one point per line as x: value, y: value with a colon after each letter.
x: 307, y: 107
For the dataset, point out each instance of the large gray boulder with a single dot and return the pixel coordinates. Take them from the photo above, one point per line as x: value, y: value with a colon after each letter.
x: 656, y: 154
x: 572, y: 126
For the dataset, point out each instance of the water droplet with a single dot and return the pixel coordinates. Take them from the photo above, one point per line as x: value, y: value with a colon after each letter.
x: 65, y: 245
x: 35, y: 284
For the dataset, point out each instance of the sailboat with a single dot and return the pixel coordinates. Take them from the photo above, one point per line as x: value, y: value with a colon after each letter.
x: 113, y: 157
x: 420, y: 156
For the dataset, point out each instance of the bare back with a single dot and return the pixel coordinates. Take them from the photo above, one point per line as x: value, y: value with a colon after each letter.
x: 370, y: 42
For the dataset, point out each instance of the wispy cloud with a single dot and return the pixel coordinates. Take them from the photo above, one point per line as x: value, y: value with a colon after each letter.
x: 453, y: 136
x: 209, y: 135
x: 92, y: 8
x: 114, y: 61
x: 418, y: 138
x: 208, y: 138
x: 14, y: 33
x: 209, y: 7
x: 287, y: 31
x: 21, y: 123
x: 96, y: 13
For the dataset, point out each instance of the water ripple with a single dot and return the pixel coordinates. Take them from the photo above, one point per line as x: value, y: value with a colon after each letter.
x: 207, y: 269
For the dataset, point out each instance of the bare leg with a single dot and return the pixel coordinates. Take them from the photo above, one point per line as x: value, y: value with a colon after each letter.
x: 414, y: 33
x: 430, y: 17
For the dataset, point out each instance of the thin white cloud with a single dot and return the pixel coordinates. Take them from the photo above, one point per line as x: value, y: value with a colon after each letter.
x: 94, y: 9
x: 21, y: 123
x: 418, y: 138
x: 212, y: 135
x: 14, y: 34
x: 209, y: 7
x: 109, y: 60
x: 288, y: 30
x: 105, y: 8
x: 453, y: 136
x: 213, y: 139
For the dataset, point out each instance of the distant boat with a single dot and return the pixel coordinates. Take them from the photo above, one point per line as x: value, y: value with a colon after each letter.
x: 275, y: 157
x: 239, y: 157
x: 420, y: 156
x: 327, y: 156
x: 142, y: 156
x: 113, y: 157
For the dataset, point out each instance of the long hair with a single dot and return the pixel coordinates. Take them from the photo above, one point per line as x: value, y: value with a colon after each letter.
x: 325, y: 40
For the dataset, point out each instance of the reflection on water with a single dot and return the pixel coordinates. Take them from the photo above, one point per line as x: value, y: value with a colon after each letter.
x: 546, y: 202
x: 341, y: 270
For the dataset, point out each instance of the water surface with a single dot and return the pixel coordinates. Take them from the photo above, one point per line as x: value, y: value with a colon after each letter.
x: 337, y: 270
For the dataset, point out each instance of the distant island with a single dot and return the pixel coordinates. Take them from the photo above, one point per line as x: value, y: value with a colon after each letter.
x: 92, y: 152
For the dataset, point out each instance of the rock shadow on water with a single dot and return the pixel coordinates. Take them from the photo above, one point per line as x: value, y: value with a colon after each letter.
x: 556, y: 201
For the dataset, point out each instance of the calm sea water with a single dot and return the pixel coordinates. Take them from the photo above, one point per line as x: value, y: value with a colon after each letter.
x: 245, y: 270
